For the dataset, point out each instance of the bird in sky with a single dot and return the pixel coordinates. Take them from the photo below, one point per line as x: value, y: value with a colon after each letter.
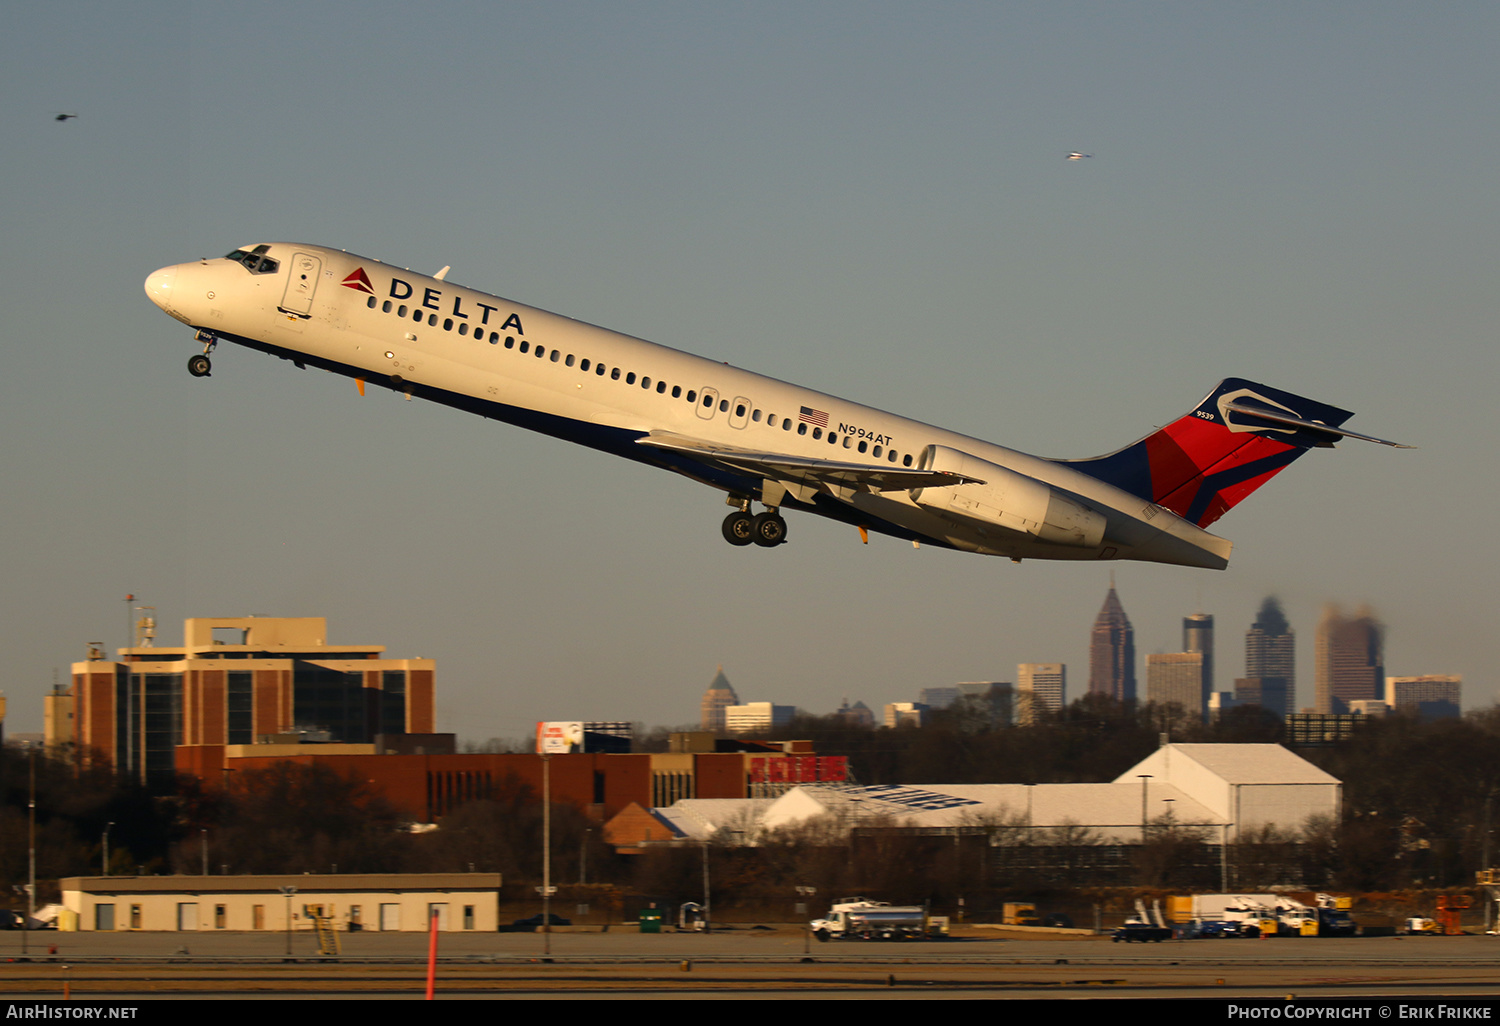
x: 1078, y: 156
x: 63, y: 117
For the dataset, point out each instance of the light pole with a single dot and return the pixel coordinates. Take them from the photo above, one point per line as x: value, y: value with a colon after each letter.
x: 546, y: 854
x: 104, y: 855
x: 806, y: 893
x: 1145, y: 780
x: 31, y: 854
x: 287, y: 892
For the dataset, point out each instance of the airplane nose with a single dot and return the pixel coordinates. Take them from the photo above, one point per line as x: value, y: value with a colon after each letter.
x: 159, y: 287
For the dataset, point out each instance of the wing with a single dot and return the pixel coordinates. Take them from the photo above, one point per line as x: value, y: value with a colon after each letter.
x: 800, y: 476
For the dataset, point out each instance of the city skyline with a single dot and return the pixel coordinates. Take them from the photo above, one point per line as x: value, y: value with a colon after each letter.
x: 871, y: 200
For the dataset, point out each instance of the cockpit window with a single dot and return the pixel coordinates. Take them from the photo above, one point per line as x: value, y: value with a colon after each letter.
x: 255, y: 260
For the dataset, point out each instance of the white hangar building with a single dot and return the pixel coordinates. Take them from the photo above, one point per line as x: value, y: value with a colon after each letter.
x: 1230, y: 788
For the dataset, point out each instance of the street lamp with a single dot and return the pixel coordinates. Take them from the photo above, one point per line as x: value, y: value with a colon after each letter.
x: 287, y: 892
x: 1145, y: 779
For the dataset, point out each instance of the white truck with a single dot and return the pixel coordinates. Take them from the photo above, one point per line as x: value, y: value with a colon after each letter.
x: 871, y: 920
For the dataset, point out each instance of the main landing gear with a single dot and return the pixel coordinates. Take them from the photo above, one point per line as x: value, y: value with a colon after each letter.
x: 767, y: 529
x: 199, y: 366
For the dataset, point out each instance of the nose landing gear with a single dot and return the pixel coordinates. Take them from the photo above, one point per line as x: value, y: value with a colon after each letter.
x: 199, y: 366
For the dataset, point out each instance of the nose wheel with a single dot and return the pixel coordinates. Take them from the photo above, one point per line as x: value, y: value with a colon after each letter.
x: 199, y: 366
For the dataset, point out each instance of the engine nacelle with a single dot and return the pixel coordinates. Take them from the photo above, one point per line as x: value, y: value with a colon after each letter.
x: 1007, y: 499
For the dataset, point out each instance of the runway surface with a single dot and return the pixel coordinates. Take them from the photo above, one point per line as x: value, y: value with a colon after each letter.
x: 740, y: 964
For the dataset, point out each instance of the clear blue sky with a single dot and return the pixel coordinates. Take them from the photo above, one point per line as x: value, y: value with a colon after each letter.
x: 866, y: 198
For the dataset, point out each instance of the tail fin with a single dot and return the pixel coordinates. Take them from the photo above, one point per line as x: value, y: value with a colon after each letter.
x: 1202, y: 465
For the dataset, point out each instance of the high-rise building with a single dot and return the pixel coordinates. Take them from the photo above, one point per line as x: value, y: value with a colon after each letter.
x: 1040, y: 687
x: 937, y: 698
x: 1431, y: 696
x: 856, y: 715
x: 1350, y: 661
x: 905, y: 714
x: 236, y: 680
x: 1271, y: 657
x: 993, y: 698
x: 1198, y: 636
x: 1267, y: 692
x: 1112, y: 652
x: 1176, y: 678
x: 719, y: 696
x: 757, y: 717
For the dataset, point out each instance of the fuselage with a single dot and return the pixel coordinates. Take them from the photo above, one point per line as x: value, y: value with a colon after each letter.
x: 433, y: 339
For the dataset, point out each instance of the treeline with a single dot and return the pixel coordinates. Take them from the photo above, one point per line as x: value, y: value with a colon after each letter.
x: 1093, y: 740
x: 1419, y: 811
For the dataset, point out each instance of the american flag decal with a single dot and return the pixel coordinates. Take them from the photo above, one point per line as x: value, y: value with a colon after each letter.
x: 817, y: 418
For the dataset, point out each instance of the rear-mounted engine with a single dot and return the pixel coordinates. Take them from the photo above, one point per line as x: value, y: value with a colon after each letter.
x: 1008, y: 500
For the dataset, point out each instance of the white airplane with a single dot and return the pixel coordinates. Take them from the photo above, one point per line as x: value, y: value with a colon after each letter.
x: 756, y: 438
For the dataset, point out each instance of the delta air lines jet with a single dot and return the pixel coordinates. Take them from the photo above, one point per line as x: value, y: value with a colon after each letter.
x: 758, y: 439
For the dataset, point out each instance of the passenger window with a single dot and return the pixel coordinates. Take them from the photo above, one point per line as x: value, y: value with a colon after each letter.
x: 817, y: 433
x: 861, y: 446
x: 447, y: 323
x: 614, y: 375
x: 906, y: 460
x: 677, y: 391
x: 661, y: 386
x: 876, y: 453
x: 432, y: 320
x: 401, y: 310
x: 463, y: 329
x: 630, y: 378
x: 524, y: 346
x: 723, y: 405
x: 416, y: 315
x: 569, y: 361
x: 801, y: 428
x: 541, y: 351
x: 755, y: 416
x: 646, y: 383
x: 370, y: 302
x: 386, y: 306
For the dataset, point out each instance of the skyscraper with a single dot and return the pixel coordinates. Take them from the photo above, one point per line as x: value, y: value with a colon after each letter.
x: 1271, y: 659
x: 1040, y: 687
x: 1176, y: 678
x: 719, y: 696
x: 1350, y: 661
x: 1198, y: 636
x: 1112, y: 651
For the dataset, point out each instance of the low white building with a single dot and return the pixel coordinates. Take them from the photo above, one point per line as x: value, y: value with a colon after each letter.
x: 383, y: 902
x: 1230, y: 789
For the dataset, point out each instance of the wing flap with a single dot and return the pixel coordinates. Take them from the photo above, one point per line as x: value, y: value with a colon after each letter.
x: 836, y: 477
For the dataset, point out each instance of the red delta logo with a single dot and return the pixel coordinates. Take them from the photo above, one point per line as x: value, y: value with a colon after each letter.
x: 359, y: 281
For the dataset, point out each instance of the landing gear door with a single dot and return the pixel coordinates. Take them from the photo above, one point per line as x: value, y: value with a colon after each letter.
x: 301, y: 283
